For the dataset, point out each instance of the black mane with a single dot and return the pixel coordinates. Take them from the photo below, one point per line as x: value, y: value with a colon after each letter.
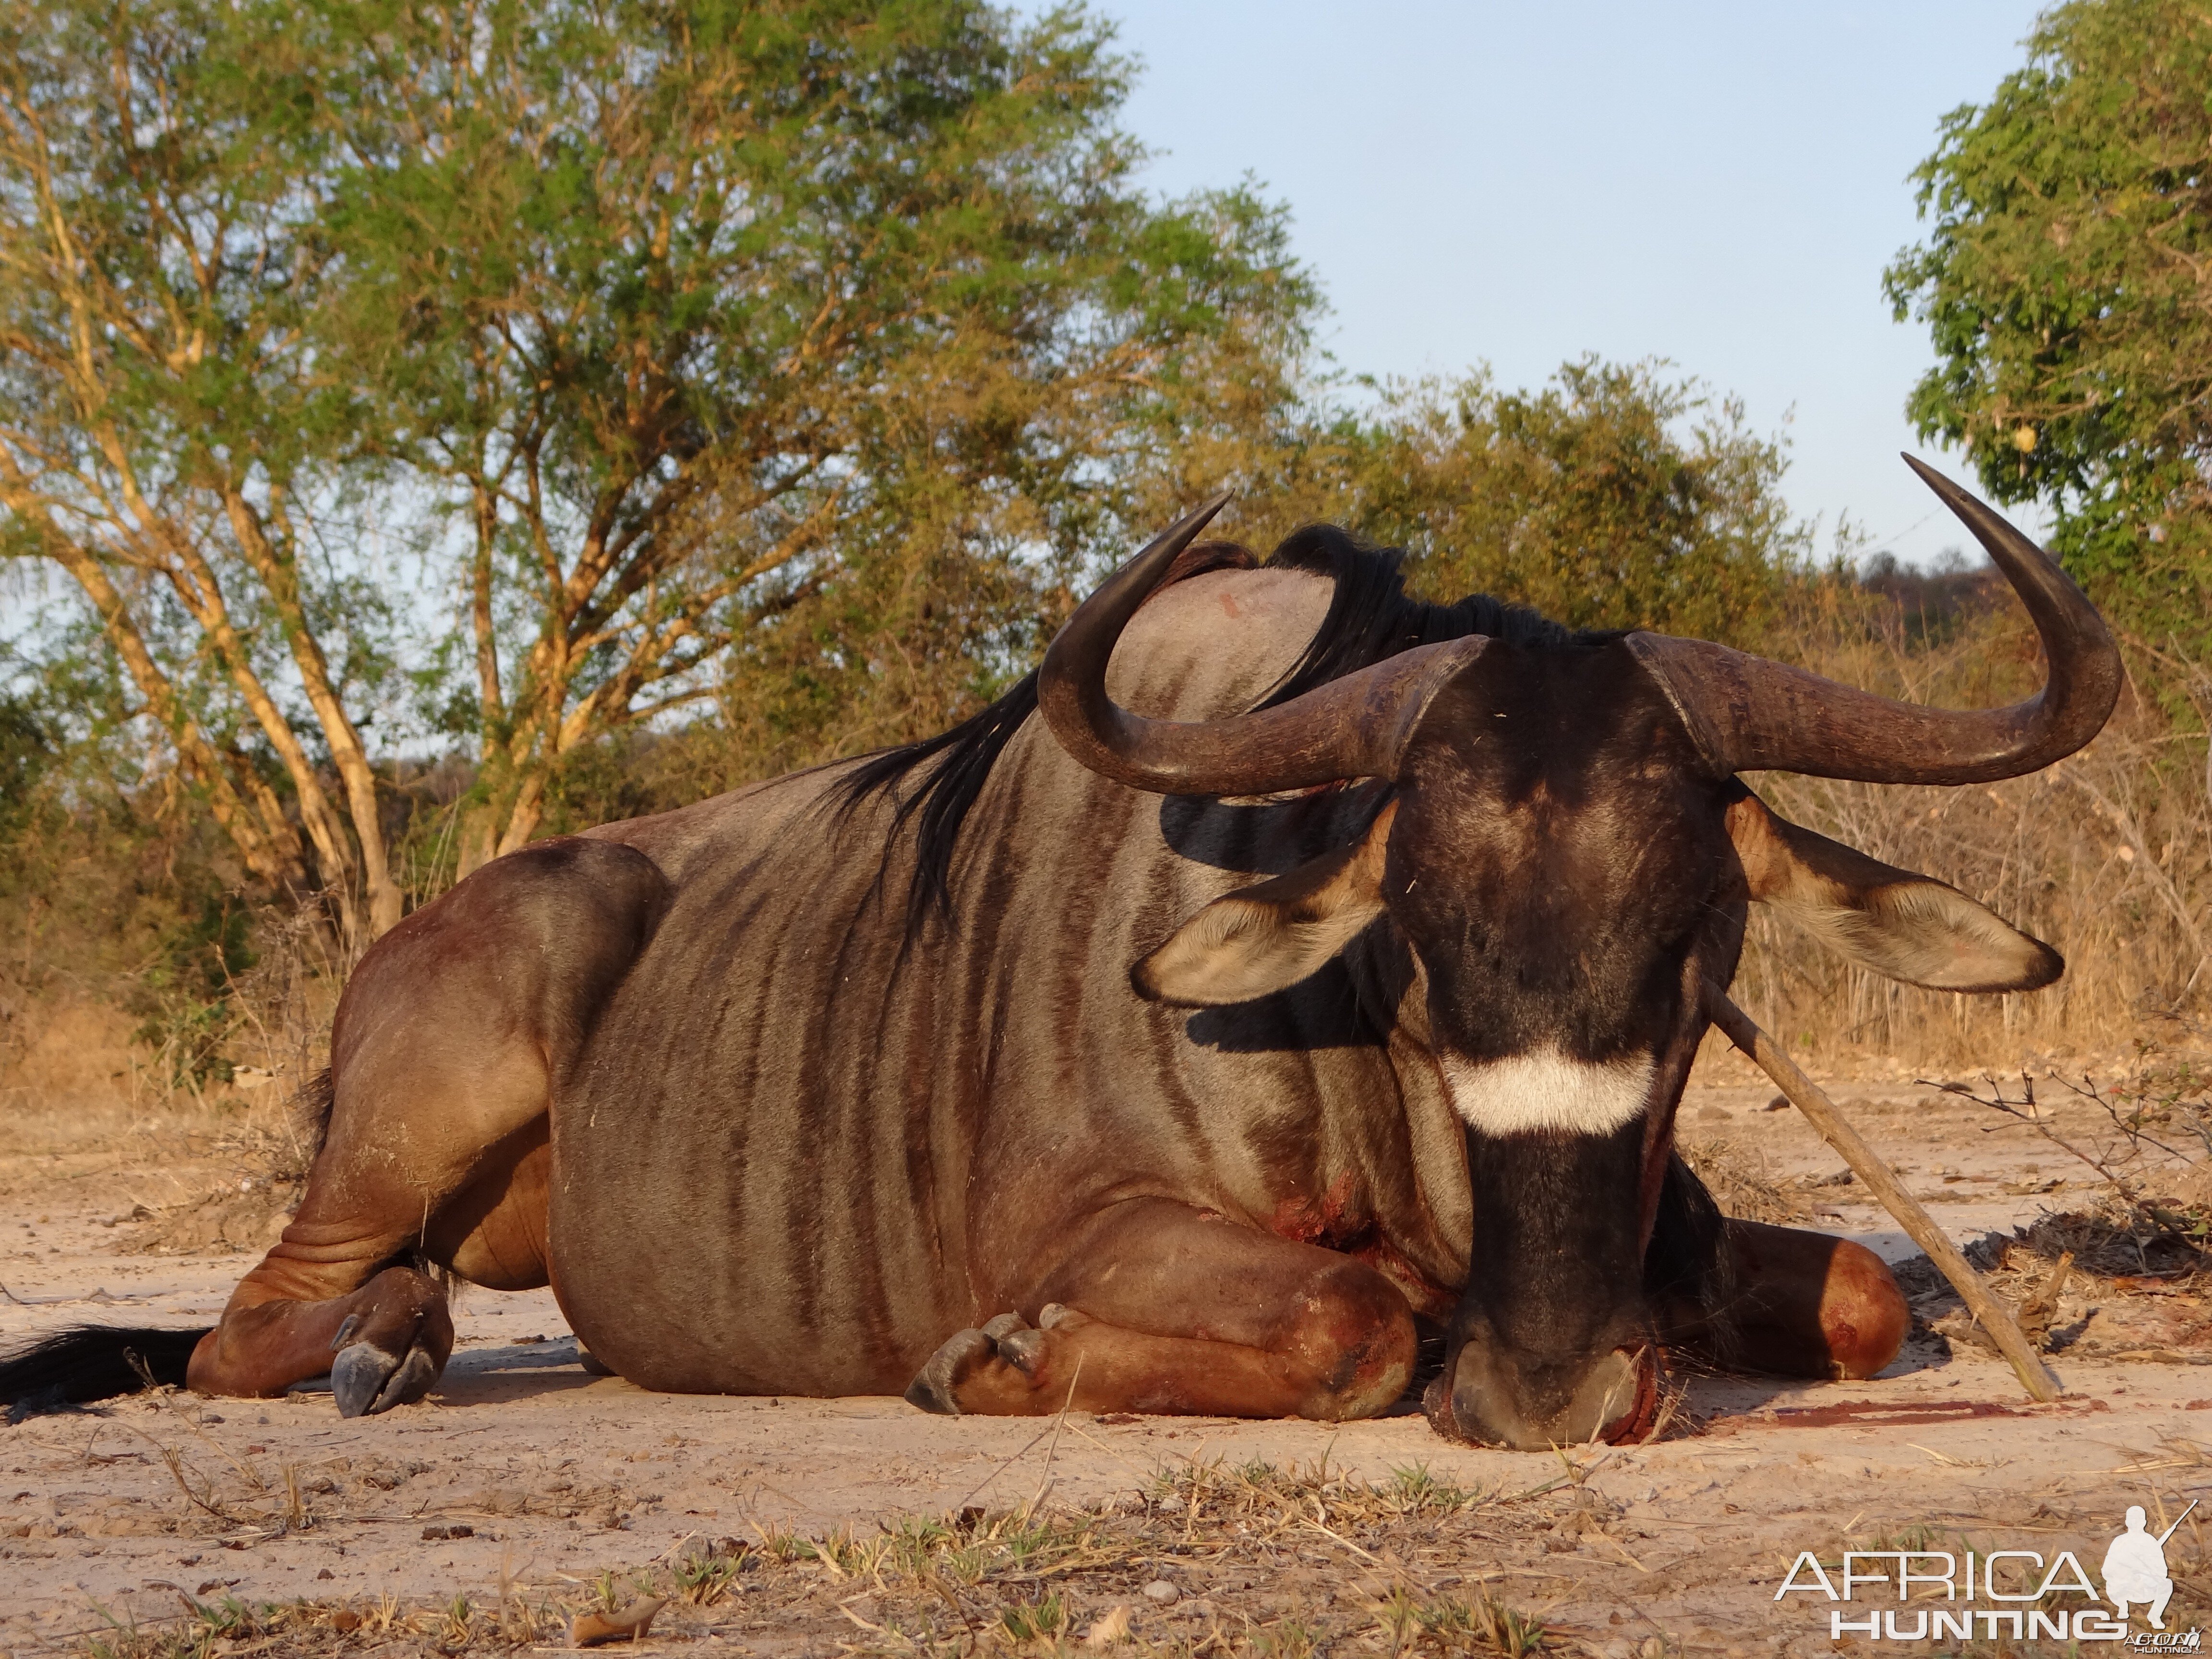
x: 1371, y: 617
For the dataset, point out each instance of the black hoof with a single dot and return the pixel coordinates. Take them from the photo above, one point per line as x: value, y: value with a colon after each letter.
x: 1023, y: 1350
x: 365, y: 1380
x: 932, y: 1391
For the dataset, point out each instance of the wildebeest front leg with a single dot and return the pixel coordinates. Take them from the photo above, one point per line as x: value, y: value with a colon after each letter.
x: 1159, y: 1307
x: 1798, y: 1304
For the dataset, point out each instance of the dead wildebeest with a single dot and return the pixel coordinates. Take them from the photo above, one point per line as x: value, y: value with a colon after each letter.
x: 884, y: 1076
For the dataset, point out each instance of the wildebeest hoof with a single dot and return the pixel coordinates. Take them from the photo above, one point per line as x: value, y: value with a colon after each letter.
x: 1023, y: 1350
x: 1055, y: 1315
x: 1003, y: 1324
x: 933, y: 1389
x: 366, y: 1380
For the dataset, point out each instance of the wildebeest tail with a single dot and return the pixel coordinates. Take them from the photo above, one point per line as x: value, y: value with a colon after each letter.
x: 93, y: 1362
x: 313, y: 1103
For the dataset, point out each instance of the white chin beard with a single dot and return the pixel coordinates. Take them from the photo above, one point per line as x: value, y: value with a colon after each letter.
x: 1546, y: 1091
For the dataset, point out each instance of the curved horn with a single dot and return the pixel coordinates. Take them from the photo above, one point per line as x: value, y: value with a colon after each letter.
x: 1353, y: 727
x: 1750, y: 714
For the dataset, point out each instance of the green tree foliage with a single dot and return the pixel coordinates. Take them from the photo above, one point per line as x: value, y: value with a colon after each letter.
x: 829, y: 331
x: 727, y: 386
x: 1617, y: 496
x: 1614, y: 496
x: 2065, y: 283
x: 159, y: 407
x: 835, y: 333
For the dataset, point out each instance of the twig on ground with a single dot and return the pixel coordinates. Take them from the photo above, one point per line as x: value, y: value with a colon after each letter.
x: 1881, y: 1180
x: 1058, y: 1422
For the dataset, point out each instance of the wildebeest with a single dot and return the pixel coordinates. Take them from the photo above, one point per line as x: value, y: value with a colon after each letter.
x: 1315, y: 965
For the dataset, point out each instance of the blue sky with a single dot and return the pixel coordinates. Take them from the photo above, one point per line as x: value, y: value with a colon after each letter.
x: 1718, y: 185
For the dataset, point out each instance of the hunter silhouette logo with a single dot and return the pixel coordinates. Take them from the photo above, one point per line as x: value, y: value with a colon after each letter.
x: 2029, y: 1595
x: 2135, y: 1568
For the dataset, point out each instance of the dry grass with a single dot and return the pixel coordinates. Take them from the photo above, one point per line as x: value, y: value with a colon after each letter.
x: 1249, y: 1560
x: 2107, y: 855
x: 1744, y: 1185
x: 203, y: 1165
x: 75, y: 1075
x: 68, y: 1069
x: 2122, y: 1272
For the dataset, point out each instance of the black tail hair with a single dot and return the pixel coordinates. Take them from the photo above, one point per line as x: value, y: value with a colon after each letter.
x: 314, y: 1104
x: 93, y: 1362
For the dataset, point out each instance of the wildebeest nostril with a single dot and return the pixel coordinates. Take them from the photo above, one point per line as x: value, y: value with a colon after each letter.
x: 1483, y: 1401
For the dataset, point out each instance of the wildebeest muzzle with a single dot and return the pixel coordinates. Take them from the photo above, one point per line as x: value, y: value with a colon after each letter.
x: 1553, y: 1343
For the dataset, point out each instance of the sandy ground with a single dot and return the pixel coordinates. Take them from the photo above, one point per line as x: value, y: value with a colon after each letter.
x: 550, y: 1476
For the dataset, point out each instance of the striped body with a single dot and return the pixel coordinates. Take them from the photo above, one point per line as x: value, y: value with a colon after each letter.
x: 787, y: 1161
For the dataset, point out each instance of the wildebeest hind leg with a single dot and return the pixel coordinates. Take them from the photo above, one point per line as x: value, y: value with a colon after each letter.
x: 442, y: 1055
x: 384, y: 1339
x: 1158, y: 1307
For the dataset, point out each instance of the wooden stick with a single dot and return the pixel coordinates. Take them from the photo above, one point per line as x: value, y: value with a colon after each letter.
x: 1882, y: 1181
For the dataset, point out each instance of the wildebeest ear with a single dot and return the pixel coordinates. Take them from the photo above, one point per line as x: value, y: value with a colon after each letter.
x: 1261, y: 939
x: 1911, y: 927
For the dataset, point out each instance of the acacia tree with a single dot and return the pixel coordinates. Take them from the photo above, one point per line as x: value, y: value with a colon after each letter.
x: 2067, y: 284
x: 157, y: 407
x: 667, y: 325
x: 703, y: 316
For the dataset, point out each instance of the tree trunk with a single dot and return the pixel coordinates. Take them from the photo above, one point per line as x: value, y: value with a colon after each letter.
x: 269, y: 846
x: 280, y: 575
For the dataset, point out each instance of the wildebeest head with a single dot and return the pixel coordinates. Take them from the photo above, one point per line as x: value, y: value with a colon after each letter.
x: 1567, y: 852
